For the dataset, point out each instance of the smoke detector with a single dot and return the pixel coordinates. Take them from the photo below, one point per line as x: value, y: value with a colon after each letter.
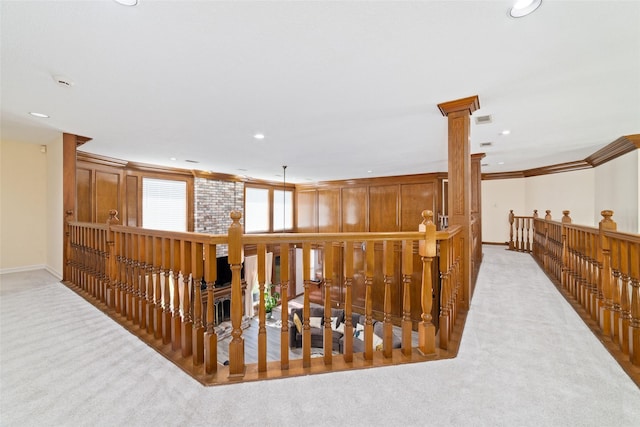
x: 63, y: 81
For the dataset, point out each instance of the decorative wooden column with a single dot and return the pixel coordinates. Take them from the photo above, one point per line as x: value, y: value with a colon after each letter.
x: 476, y: 217
x: 70, y: 143
x: 459, y: 176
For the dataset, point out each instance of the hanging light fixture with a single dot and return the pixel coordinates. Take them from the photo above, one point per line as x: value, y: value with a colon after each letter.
x: 284, y: 197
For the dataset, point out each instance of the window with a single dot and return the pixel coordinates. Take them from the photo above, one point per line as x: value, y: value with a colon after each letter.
x: 282, y: 210
x: 164, y: 204
x: 256, y: 210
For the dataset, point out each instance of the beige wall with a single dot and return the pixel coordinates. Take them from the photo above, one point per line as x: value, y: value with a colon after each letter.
x: 55, y: 214
x: 573, y: 191
x: 498, y: 197
x: 617, y: 186
x: 23, y: 209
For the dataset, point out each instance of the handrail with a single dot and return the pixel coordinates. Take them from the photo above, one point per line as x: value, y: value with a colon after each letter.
x: 599, y: 268
x: 150, y: 281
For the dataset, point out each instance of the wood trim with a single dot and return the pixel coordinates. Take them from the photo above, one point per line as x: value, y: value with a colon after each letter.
x: 383, y: 180
x: 469, y: 104
x: 619, y: 147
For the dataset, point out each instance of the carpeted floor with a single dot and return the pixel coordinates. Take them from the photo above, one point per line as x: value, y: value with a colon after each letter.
x: 526, y: 359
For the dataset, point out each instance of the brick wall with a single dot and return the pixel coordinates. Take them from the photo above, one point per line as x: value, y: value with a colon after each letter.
x: 214, y: 201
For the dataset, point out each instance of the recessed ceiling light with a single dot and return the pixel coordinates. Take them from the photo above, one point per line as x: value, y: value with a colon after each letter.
x: 259, y: 136
x: 173, y: 159
x: 42, y: 116
x: 127, y: 2
x: 369, y: 171
x: 501, y: 163
x: 524, y: 7
x: 505, y: 132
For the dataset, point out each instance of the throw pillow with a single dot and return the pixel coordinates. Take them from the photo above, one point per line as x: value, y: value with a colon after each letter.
x: 359, y: 332
x: 340, y: 328
x: 315, y: 322
x: 334, y: 323
x: 297, y: 322
x: 377, y: 343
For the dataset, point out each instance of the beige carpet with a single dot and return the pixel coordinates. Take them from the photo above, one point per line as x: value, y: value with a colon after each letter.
x: 526, y: 359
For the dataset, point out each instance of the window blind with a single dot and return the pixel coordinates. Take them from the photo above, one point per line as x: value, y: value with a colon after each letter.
x: 164, y: 204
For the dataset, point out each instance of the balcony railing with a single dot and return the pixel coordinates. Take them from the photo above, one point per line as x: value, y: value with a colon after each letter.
x: 150, y: 282
x: 596, y: 268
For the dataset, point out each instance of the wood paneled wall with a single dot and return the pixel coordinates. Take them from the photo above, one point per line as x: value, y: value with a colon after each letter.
x: 103, y: 184
x: 371, y: 205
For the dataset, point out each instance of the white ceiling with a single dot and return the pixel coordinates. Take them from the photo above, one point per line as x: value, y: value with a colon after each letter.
x: 338, y: 88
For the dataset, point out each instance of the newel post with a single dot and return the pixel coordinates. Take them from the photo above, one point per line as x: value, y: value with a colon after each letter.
x: 236, y: 346
x: 604, y: 259
x: 427, y: 250
x: 111, y: 258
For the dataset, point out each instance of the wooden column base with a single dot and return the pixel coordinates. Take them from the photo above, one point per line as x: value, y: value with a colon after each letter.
x: 210, y: 353
x: 110, y: 298
x: 426, y: 339
x: 615, y: 323
x: 149, y: 314
x: 157, y: 322
x: 623, y: 327
x: 197, y: 346
x: 406, y: 337
x: 166, y: 327
x: 605, y: 321
x: 186, y: 335
x: 284, y: 350
x: 444, y: 332
x: 634, y: 345
x: 236, y: 358
x: 176, y: 329
x: 142, y: 313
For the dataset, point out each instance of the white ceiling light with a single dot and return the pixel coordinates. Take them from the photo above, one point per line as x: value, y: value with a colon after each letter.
x: 524, y: 7
x: 259, y: 136
x: 127, y: 2
x: 40, y: 115
x: 505, y: 132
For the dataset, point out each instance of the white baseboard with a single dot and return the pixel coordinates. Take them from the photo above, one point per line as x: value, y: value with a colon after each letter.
x: 53, y: 272
x: 23, y: 268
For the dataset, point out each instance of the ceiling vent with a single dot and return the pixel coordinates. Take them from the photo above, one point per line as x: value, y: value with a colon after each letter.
x: 483, y: 120
x: 486, y: 144
x: 192, y: 161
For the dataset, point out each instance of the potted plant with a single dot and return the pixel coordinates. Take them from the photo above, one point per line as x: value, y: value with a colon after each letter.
x: 271, y: 299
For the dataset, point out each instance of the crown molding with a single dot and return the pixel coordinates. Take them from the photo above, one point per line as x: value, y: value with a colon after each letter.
x: 81, y: 156
x: 382, y: 180
x: 619, y: 147
x: 469, y: 104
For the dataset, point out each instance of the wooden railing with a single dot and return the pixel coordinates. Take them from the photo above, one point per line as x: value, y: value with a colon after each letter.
x: 150, y: 282
x: 599, y: 268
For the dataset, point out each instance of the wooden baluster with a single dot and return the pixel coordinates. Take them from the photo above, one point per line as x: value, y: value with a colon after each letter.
x: 328, y: 282
x: 615, y: 290
x: 606, y: 224
x: 445, y: 257
x: 306, y: 311
x: 387, y: 273
x: 236, y: 346
x: 426, y: 329
x: 368, y: 304
x: 511, y: 220
x: 151, y: 284
x: 126, y: 275
x: 210, y: 337
x: 158, y: 281
x: 197, y: 255
x: 111, y: 259
x: 264, y: 290
x: 135, y: 291
x: 142, y: 288
x: 596, y: 297
x: 634, y: 326
x: 117, y: 289
x: 189, y: 285
x: 528, y: 227
x: 176, y: 320
x: 407, y: 271
x: 348, y: 285
x: 521, y: 238
x: 625, y: 304
x: 284, y: 306
x: 166, y: 291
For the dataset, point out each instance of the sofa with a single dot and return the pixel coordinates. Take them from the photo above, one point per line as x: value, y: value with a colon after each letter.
x: 316, y: 323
